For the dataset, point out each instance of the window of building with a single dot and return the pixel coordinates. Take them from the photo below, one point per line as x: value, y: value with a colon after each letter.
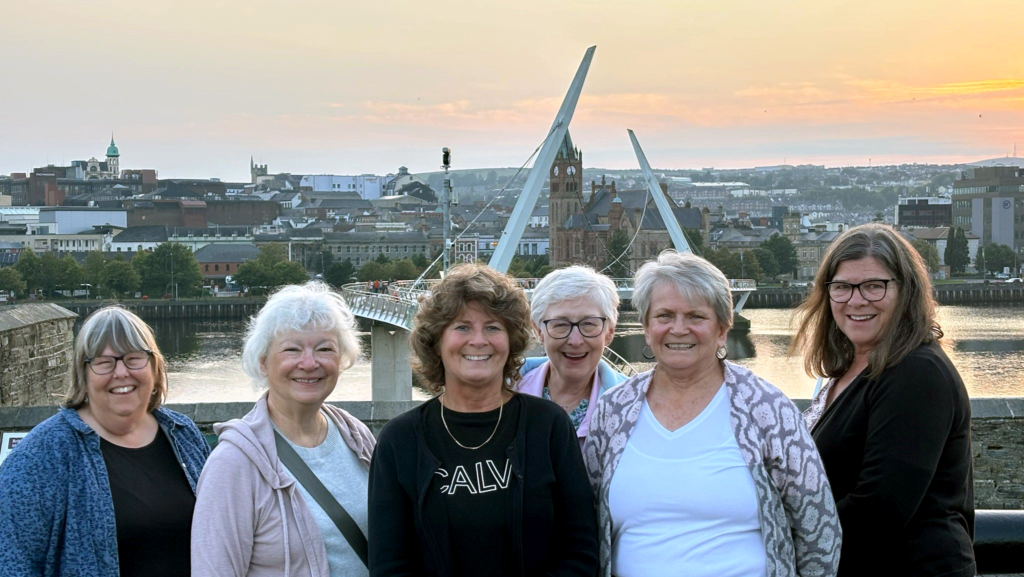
x: 216, y: 268
x: 206, y: 268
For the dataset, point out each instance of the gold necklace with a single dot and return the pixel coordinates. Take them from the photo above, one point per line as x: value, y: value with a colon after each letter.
x: 501, y: 409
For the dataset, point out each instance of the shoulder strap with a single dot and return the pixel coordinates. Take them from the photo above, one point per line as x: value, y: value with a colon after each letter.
x: 303, y: 474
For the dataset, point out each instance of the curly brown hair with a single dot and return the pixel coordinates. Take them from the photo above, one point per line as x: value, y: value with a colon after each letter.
x: 827, y: 351
x: 496, y: 293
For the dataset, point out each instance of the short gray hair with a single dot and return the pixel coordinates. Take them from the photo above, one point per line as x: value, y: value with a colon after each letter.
x: 695, y: 278
x: 572, y: 283
x: 310, y: 306
x: 124, y: 332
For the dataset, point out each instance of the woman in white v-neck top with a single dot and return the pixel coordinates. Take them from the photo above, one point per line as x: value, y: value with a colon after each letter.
x: 700, y: 467
x: 713, y: 531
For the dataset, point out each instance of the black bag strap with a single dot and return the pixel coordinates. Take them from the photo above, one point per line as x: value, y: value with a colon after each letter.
x: 323, y: 497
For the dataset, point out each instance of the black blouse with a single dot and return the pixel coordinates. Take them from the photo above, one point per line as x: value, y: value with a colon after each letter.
x: 897, y: 451
x: 153, y: 505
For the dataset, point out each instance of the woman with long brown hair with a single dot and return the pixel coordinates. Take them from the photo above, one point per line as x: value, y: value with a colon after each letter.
x: 893, y: 420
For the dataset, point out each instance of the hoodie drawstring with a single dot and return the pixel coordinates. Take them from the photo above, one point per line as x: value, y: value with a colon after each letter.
x: 287, y: 545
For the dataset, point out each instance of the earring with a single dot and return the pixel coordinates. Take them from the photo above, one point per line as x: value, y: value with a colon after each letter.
x: 647, y: 356
x: 721, y: 352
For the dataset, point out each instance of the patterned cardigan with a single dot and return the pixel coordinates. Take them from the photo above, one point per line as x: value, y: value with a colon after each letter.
x: 799, y: 523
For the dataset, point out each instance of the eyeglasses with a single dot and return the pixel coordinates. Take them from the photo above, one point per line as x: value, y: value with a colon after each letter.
x: 134, y: 360
x: 872, y: 290
x: 561, y: 328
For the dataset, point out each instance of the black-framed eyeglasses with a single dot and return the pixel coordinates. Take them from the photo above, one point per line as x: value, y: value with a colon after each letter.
x: 105, y: 365
x: 561, y: 328
x: 872, y: 290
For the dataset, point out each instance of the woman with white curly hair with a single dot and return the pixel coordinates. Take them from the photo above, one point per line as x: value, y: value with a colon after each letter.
x: 285, y: 490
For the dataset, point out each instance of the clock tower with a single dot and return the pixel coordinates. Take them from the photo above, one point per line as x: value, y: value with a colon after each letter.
x: 565, y: 198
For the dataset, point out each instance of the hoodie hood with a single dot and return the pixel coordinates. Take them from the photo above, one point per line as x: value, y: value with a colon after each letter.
x: 253, y: 434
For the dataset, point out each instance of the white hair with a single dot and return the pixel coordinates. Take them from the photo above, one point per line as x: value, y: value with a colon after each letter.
x: 695, y: 278
x: 573, y: 283
x: 313, y: 306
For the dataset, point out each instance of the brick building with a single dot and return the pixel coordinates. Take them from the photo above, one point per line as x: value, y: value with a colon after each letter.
x: 217, y: 261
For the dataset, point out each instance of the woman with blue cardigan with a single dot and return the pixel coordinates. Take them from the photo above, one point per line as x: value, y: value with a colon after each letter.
x: 106, y: 487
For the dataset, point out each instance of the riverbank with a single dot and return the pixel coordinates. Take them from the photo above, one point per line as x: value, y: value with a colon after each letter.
x: 945, y: 294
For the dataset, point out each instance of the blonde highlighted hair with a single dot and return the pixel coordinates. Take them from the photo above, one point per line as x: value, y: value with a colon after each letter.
x: 124, y: 332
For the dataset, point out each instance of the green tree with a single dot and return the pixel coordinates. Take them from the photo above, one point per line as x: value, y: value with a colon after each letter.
x: 340, y: 273
x: 49, y: 272
x: 269, y: 270
x: 381, y: 259
x: 170, y: 268
x: 956, y: 255
x: 420, y: 260
x: 766, y: 259
x: 372, y: 270
x: 271, y: 254
x: 120, y: 278
x: 618, y: 245
x: 998, y: 257
x: 289, y: 272
x: 29, y: 267
x: 10, y: 281
x: 736, y: 264
x: 71, y: 274
x: 784, y: 251
x: 693, y: 236
x: 254, y: 276
x: 929, y: 254
x: 94, y: 263
x: 980, y: 260
x: 402, y: 270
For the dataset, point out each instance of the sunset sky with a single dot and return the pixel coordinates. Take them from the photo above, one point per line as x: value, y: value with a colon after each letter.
x: 193, y: 88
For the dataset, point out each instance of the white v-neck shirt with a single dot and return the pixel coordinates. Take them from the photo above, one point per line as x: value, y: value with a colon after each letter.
x: 683, y: 502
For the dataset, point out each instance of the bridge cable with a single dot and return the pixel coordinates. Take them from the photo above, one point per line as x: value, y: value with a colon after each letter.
x: 501, y: 193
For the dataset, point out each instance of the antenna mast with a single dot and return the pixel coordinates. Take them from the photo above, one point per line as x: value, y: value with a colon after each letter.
x: 446, y: 198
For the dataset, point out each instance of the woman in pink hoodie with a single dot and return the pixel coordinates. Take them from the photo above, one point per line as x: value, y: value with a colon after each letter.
x: 252, y: 516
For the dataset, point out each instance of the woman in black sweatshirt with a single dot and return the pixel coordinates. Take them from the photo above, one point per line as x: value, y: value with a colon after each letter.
x: 893, y: 419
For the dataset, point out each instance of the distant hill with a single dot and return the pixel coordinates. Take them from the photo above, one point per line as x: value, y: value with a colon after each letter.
x: 1002, y: 161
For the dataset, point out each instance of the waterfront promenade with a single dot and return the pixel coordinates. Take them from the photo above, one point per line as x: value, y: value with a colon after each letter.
x: 763, y: 297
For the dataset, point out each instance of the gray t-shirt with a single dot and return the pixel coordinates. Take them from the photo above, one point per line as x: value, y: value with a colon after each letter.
x: 346, y: 478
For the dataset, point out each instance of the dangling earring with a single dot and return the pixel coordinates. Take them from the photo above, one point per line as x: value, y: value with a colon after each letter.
x: 722, y: 352
x: 647, y: 356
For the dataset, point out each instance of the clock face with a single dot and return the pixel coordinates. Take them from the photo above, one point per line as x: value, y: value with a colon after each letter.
x: 571, y: 170
x: 555, y: 171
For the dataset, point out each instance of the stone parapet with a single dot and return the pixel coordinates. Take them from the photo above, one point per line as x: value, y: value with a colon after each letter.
x: 36, y: 344
x: 998, y: 436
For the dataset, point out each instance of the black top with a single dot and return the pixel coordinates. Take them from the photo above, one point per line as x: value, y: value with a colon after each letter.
x: 551, y: 520
x: 153, y: 504
x: 476, y: 486
x: 897, y: 451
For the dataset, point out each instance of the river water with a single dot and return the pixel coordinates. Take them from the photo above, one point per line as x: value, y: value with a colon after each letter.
x: 985, y: 343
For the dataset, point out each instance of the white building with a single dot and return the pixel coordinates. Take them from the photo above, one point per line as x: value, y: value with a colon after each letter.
x: 40, y: 243
x: 368, y: 186
x: 77, y: 219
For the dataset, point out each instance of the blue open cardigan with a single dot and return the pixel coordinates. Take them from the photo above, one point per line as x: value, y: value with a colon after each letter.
x: 57, y: 513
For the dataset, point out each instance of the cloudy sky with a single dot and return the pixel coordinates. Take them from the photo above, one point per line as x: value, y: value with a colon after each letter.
x: 194, y: 88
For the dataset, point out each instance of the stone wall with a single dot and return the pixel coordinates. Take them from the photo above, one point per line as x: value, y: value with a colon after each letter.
x: 998, y: 440
x: 36, y: 344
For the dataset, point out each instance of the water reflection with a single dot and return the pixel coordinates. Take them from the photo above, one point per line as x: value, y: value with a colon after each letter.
x: 985, y: 343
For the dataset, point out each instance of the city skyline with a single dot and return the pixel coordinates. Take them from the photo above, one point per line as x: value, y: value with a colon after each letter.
x: 194, y: 89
